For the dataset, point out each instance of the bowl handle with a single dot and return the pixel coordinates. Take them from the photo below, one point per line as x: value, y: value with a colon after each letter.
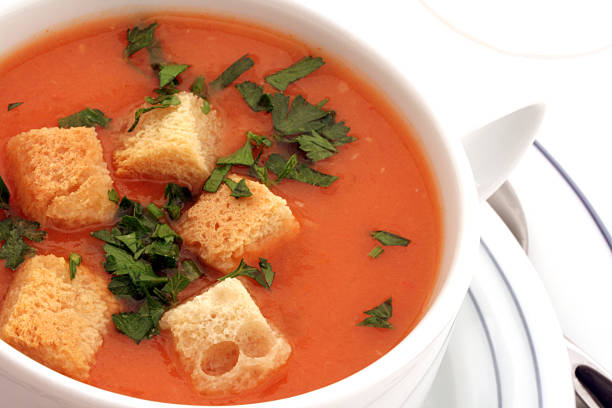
x: 494, y: 149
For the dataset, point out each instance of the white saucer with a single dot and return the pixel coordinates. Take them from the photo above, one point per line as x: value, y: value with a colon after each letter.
x: 507, y: 348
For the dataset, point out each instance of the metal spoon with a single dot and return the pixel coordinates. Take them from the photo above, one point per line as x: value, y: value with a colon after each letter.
x: 592, y: 384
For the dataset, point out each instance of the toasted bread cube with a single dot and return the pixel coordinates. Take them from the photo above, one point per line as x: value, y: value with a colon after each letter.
x: 61, y: 177
x: 176, y: 144
x: 54, y: 320
x: 223, y: 341
x: 222, y: 229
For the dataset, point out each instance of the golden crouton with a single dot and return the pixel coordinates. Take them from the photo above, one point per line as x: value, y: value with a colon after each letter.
x: 223, y: 340
x: 221, y: 228
x: 61, y: 177
x: 176, y: 144
x: 54, y: 320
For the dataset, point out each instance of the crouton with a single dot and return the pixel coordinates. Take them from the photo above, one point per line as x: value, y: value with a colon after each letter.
x: 61, y: 177
x: 176, y: 144
x: 223, y: 341
x: 54, y: 320
x: 222, y: 229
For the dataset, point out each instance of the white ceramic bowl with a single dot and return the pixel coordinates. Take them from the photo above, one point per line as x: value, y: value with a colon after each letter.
x: 403, y: 375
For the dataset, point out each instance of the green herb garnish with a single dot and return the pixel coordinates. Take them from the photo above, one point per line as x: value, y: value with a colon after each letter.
x: 13, y: 105
x: 239, y: 189
x: 139, y: 38
x: 379, y: 316
x: 200, y: 89
x: 242, y: 156
x: 74, y: 260
x: 254, y: 96
x: 113, y: 196
x: 164, y: 101
x: 302, y: 117
x: 278, y: 165
x: 281, y: 79
x: 177, y: 198
x: 232, y: 73
x: 141, y: 253
x: 13, y: 230
x: 264, y: 276
x: 191, y: 270
x: 376, y: 251
x: 88, y: 117
x: 168, y: 73
x: 316, y: 147
x: 389, y: 239
x: 213, y: 182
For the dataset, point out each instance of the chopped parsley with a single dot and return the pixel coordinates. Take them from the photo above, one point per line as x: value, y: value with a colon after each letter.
x: 113, y: 196
x: 379, y: 316
x: 14, y: 249
x: 254, y: 96
x: 242, y: 156
x: 74, y: 260
x: 177, y: 198
x: 13, y: 105
x: 163, y: 101
x: 302, y: 117
x: 316, y: 147
x: 232, y: 73
x: 376, y: 251
x: 239, y: 189
x: 139, y: 38
x: 88, y: 117
x: 213, y: 182
x: 200, y: 89
x: 13, y: 231
x: 389, y: 239
x: 168, y: 73
x: 281, y: 79
x: 142, y: 255
x: 278, y: 165
x: 264, y: 276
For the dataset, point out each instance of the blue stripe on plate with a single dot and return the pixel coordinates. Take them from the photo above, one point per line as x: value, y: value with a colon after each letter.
x: 587, y: 205
x: 523, y: 320
x: 491, y: 346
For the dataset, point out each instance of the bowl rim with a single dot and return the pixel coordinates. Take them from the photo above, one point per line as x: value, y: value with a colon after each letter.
x: 442, y: 309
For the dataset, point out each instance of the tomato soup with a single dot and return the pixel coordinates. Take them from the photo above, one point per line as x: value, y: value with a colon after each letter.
x: 325, y: 279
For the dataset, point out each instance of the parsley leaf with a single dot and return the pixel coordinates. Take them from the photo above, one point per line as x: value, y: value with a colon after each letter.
x: 88, y: 117
x: 113, y: 196
x: 13, y: 230
x: 158, y: 103
x: 337, y: 134
x: 177, y: 197
x: 213, y: 182
x: 74, y: 260
x: 155, y: 211
x: 176, y: 284
x: 258, y: 140
x: 376, y: 251
x: 168, y: 73
x: 5, y: 195
x: 123, y: 287
x: 301, y: 118
x: 281, y: 79
x: 316, y: 147
x: 389, y: 239
x: 13, y: 105
x: 133, y: 324
x: 191, y: 270
x: 242, y: 156
x: 288, y: 171
x: 379, y: 316
x: 199, y: 87
x: 264, y: 277
x: 139, y: 38
x: 232, y: 73
x: 261, y: 173
x: 239, y: 189
x: 278, y: 165
x: 254, y: 96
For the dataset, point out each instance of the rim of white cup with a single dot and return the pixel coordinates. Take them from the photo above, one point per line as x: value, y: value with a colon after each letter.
x: 450, y: 167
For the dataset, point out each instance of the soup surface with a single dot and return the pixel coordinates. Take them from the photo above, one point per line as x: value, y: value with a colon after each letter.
x: 325, y: 279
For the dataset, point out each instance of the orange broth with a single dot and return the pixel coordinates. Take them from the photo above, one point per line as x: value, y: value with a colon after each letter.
x: 325, y: 279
